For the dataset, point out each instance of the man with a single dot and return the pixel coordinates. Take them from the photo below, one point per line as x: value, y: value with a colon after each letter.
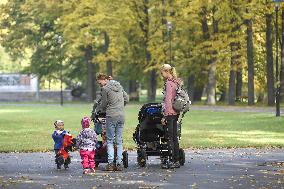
x: 112, y: 102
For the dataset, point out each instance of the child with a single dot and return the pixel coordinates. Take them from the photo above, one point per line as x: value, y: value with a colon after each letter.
x: 86, y: 141
x: 58, y: 136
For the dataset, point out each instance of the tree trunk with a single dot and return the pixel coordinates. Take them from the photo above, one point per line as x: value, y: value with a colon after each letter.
x: 152, y: 86
x: 198, y: 90
x: 90, y: 74
x: 232, y: 86
x: 239, y: 85
x: 232, y: 79
x: 281, y: 92
x: 144, y: 26
x: 260, y: 97
x: 164, y: 31
x: 190, y: 86
x: 38, y: 88
x: 269, y: 61
x: 133, y: 90
x: 109, y: 68
x: 211, y: 85
x: 105, y: 50
x: 223, y: 91
x: 250, y: 63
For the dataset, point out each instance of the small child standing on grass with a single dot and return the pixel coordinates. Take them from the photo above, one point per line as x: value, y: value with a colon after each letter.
x: 86, y: 142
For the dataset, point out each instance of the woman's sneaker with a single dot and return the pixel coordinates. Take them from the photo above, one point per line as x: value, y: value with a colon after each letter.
x: 86, y: 171
x: 164, y: 164
x: 110, y: 167
x: 177, y: 164
x: 171, y: 165
x: 174, y: 165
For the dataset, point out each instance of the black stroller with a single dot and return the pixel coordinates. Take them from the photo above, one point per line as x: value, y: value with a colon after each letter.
x: 150, y: 135
x: 101, y: 146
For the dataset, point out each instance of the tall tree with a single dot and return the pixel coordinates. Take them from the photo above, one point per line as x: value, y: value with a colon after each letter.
x: 211, y: 85
x: 269, y: 61
x: 281, y: 78
x: 250, y: 62
x: 82, y: 36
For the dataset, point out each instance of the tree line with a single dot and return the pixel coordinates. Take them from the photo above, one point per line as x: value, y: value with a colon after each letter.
x: 224, y: 49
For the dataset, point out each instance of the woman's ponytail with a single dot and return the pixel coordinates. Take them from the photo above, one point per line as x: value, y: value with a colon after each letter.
x: 174, y: 72
x: 170, y: 69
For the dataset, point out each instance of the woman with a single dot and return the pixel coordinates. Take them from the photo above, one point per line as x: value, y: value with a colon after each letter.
x: 113, y: 100
x: 170, y: 115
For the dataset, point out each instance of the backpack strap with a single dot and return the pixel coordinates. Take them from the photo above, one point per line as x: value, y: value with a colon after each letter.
x: 180, y: 124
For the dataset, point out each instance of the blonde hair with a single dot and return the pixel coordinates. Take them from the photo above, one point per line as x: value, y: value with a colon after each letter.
x: 170, y: 69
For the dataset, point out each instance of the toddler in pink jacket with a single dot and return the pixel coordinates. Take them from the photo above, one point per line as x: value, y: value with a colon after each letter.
x: 86, y: 142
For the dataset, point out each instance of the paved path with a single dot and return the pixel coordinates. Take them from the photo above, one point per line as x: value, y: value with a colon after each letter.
x: 208, y: 169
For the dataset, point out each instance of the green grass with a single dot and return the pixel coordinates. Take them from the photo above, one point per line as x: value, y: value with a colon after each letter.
x: 29, y: 128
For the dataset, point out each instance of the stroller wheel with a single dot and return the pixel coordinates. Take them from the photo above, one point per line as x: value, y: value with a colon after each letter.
x: 125, y: 159
x: 181, y: 157
x: 141, y: 158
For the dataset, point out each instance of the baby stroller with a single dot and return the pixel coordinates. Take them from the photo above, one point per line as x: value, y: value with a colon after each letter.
x: 62, y: 156
x: 101, y: 156
x: 150, y: 135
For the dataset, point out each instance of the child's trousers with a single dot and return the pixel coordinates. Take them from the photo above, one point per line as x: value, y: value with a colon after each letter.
x: 88, y: 159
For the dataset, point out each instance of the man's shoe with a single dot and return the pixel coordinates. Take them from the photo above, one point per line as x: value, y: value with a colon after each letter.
x: 110, y: 167
x: 119, y: 167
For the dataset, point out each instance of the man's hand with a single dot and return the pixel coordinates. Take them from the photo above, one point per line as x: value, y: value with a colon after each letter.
x: 163, y: 121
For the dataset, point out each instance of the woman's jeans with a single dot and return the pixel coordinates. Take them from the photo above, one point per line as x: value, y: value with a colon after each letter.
x: 114, y: 128
x: 173, y: 137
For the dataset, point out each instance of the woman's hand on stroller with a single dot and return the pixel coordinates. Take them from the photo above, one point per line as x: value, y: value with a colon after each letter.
x: 102, y: 120
x: 164, y: 121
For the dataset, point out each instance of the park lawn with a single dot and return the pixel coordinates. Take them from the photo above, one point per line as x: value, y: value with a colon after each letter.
x: 29, y: 128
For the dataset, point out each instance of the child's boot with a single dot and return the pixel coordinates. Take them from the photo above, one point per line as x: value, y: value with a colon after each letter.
x: 86, y: 171
x: 67, y: 162
x: 66, y: 166
x: 92, y: 171
x: 58, y: 166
